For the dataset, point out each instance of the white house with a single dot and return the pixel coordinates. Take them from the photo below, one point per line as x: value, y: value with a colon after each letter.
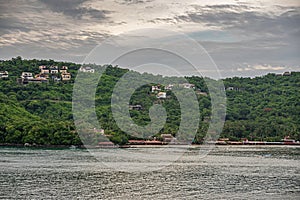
x: 41, y: 76
x: 63, y: 70
x: 27, y: 75
x: 3, y: 74
x: 169, y: 87
x: 66, y: 76
x: 87, y: 69
x: 44, y: 69
x: 187, y: 85
x: 54, y: 70
x: 161, y: 95
x: 155, y: 88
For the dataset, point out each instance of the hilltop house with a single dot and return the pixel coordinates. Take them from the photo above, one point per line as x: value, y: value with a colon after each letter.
x: 161, y: 95
x: 63, y: 70
x: 155, y: 88
x: 65, y: 76
x: 53, y: 70
x: 44, y: 69
x: 286, y: 74
x: 135, y: 107
x: 41, y: 76
x: 3, y: 74
x: 26, y: 75
x: 87, y: 69
x: 169, y: 87
x: 187, y: 85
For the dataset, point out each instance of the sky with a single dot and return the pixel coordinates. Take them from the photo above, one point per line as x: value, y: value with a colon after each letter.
x: 244, y: 38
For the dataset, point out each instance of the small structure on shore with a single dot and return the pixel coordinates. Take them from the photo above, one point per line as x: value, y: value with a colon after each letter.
x: 167, y: 138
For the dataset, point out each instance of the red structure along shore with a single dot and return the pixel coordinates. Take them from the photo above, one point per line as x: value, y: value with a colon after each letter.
x: 285, y: 141
x: 221, y: 141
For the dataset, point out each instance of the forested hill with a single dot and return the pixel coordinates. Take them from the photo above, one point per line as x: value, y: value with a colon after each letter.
x: 261, y: 108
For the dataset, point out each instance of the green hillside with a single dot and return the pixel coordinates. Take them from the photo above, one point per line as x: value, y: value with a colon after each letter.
x: 261, y: 108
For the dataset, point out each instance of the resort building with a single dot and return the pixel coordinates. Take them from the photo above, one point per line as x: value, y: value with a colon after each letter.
x: 63, y: 70
x: 26, y: 75
x: 3, y: 74
x: 187, y: 85
x: 155, y: 88
x: 169, y: 87
x: 53, y: 70
x: 66, y: 76
x: 44, y: 69
x: 161, y: 95
x: 87, y: 69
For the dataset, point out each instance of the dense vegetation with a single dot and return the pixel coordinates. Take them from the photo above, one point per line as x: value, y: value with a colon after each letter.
x: 261, y: 108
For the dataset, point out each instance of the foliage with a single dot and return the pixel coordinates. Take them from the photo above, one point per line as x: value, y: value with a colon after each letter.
x: 261, y: 108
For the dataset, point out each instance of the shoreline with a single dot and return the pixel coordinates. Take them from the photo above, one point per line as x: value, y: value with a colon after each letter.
x: 42, y: 146
x: 140, y: 146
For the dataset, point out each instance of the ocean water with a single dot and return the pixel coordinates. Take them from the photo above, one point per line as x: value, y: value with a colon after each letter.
x: 227, y: 172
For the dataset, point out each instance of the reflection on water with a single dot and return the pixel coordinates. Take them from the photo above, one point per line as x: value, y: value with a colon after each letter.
x: 239, y: 172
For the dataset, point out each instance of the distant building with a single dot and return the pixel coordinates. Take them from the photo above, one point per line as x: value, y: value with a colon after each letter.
x: 135, y: 107
x: 155, y: 88
x: 36, y: 80
x: 26, y: 75
x: 54, y: 70
x: 63, y: 70
x: 167, y: 137
x: 286, y: 74
x: 3, y: 74
x: 42, y: 76
x: 161, y: 95
x: 169, y: 87
x: 87, y: 69
x: 44, y: 69
x: 187, y: 85
x: 66, y: 76
x: 136, y: 142
x: 107, y: 144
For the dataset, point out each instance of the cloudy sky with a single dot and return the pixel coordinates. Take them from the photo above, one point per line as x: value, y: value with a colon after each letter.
x: 244, y: 38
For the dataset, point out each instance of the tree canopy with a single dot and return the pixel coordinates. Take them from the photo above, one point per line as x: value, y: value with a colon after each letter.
x: 260, y: 108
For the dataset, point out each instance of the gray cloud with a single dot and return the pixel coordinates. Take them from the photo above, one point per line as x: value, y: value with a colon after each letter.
x: 72, y: 8
x: 258, y: 38
x: 236, y: 36
x: 225, y: 18
x: 11, y: 25
x: 130, y: 2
